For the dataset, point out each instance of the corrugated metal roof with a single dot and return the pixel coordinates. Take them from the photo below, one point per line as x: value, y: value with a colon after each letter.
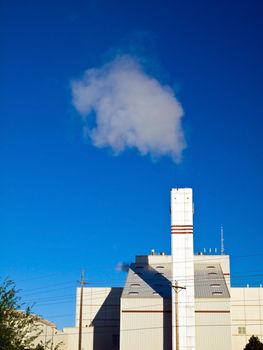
x: 145, y: 280
x: 151, y: 281
x: 210, y: 281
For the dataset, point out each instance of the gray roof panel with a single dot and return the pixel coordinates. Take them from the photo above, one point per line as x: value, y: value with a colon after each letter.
x: 210, y: 281
x: 145, y: 280
x: 151, y: 281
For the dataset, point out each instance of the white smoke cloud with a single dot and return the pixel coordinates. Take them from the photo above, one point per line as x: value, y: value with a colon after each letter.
x: 132, y: 110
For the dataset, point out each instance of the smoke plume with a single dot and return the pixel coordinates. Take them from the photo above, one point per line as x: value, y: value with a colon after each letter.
x: 131, y: 110
x: 122, y: 267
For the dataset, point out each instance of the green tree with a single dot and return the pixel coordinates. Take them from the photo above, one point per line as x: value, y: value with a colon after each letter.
x: 254, y: 344
x: 19, y: 329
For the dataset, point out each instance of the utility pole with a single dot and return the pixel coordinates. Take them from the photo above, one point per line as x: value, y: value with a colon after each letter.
x: 82, y: 283
x: 177, y: 289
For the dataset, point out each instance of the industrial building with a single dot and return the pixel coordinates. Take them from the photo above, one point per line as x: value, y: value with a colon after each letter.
x: 180, y: 301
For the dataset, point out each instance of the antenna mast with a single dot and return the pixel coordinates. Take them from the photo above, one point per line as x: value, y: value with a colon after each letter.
x: 222, y: 241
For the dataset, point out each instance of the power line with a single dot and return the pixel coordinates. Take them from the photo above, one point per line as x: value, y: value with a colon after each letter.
x: 166, y: 283
x: 157, y: 327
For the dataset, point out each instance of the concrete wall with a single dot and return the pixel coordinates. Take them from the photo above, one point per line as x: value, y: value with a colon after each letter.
x: 246, y: 315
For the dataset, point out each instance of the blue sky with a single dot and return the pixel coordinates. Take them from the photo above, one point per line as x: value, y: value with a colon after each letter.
x: 67, y: 204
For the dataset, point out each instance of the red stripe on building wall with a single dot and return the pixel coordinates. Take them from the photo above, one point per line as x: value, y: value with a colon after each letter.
x: 213, y: 311
x: 169, y: 311
x: 144, y: 311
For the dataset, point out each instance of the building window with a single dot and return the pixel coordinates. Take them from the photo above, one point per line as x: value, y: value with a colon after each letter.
x: 241, y: 330
x: 214, y: 285
x: 133, y: 293
x: 211, y: 267
x: 160, y: 267
x: 135, y: 285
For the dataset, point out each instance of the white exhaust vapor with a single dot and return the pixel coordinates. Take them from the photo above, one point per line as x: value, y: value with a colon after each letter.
x: 131, y: 109
x: 122, y: 267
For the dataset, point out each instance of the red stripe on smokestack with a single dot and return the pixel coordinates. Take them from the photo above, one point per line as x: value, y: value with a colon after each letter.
x: 181, y: 229
x: 181, y: 233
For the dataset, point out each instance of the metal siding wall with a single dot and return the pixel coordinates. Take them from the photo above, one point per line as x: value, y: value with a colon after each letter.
x: 213, y: 324
x: 101, y: 313
x: 93, y: 299
x: 213, y: 331
x: 71, y: 338
x: 247, y: 312
x: 142, y: 330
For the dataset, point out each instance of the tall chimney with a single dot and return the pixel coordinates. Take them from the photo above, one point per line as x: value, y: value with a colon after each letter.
x: 183, y: 310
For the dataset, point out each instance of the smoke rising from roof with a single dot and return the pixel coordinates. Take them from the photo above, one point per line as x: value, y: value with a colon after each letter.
x: 131, y: 109
x: 122, y: 267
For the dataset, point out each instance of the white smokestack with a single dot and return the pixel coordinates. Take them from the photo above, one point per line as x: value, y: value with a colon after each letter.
x: 183, y: 311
